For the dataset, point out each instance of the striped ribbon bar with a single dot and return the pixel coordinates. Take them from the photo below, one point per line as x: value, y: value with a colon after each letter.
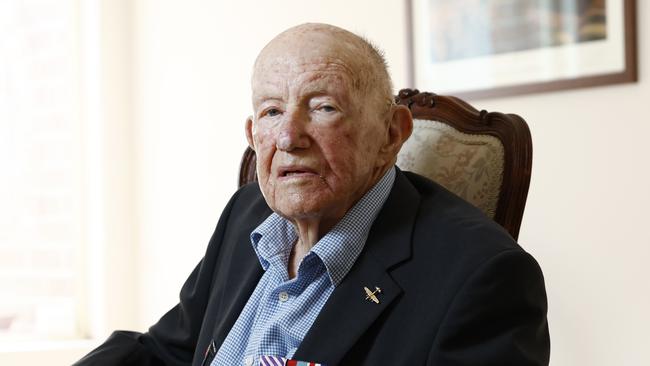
x: 272, y: 361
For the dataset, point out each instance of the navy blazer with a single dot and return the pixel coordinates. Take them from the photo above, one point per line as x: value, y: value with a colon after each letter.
x: 456, y: 290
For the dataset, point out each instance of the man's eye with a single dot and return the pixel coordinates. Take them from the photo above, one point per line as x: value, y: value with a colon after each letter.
x: 327, y: 108
x: 272, y: 112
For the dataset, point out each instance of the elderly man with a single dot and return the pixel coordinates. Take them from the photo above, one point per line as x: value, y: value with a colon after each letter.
x: 338, y: 257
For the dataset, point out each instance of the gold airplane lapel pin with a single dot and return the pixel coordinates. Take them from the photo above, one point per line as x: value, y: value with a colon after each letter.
x: 371, y: 295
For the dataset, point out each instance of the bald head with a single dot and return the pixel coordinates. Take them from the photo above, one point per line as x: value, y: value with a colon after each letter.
x: 314, y: 41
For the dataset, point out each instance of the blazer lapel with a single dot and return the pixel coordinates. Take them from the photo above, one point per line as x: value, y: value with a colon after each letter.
x: 238, y: 288
x: 242, y: 270
x: 347, y: 314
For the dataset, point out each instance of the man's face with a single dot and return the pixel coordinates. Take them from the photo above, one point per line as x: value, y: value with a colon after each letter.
x: 316, y: 139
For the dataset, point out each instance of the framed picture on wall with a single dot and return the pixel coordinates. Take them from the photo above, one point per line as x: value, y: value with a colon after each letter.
x: 494, y: 48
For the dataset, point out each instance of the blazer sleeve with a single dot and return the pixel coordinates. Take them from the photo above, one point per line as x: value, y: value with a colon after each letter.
x: 498, y: 317
x: 172, y: 340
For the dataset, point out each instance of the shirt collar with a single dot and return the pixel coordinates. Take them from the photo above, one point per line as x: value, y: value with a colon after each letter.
x: 340, y: 247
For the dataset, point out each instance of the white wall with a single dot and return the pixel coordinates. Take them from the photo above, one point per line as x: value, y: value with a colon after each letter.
x: 585, y: 219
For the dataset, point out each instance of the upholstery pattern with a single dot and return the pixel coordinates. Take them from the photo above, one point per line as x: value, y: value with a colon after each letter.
x: 471, y: 166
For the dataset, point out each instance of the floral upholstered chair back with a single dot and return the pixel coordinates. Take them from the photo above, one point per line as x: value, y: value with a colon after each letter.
x: 471, y: 166
x: 483, y: 157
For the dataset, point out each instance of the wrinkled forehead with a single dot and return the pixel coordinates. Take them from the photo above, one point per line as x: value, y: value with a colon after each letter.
x: 290, y: 57
x: 327, y: 75
x: 292, y: 63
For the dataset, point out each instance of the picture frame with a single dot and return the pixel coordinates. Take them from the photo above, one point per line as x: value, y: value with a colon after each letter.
x: 476, y: 49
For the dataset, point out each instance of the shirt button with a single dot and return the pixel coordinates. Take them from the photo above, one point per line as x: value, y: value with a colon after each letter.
x: 283, y: 296
x: 248, y: 361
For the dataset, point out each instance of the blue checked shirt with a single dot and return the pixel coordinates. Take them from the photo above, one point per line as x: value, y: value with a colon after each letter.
x: 280, y: 311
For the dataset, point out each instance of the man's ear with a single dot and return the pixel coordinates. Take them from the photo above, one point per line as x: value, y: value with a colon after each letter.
x: 400, y: 127
x: 249, y: 132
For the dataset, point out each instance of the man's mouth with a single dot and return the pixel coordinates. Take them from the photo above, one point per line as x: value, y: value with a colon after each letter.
x: 296, y: 172
x: 293, y: 172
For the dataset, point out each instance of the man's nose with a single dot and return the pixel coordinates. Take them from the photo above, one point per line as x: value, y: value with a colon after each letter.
x: 292, y: 134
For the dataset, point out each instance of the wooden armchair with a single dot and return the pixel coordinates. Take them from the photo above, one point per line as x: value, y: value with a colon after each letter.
x: 483, y: 157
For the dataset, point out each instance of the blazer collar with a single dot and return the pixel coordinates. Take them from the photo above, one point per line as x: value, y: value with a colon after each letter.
x: 347, y: 313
